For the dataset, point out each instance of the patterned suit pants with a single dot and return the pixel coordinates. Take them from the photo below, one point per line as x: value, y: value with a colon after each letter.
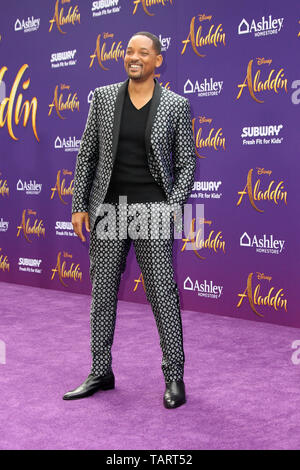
x: 155, y: 258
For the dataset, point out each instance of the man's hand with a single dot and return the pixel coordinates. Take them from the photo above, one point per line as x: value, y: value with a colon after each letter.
x: 78, y: 218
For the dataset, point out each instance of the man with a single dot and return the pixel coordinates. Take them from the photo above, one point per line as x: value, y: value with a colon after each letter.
x: 138, y: 142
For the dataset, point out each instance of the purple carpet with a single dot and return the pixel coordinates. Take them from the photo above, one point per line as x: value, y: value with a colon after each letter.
x: 243, y: 389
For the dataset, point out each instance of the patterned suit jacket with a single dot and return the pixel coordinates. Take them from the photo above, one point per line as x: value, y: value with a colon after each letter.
x: 169, y: 145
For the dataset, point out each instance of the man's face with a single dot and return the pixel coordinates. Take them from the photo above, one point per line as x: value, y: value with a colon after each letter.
x: 141, y: 59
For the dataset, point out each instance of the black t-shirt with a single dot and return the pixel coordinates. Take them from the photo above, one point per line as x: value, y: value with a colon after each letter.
x: 131, y: 175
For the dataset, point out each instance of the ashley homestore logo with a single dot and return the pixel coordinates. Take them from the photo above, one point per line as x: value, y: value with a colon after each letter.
x: 263, y: 27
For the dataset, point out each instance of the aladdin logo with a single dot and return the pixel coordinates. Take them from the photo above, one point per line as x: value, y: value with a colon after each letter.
x: 262, y: 245
x: 59, y: 105
x: 3, y: 225
x: 196, y: 38
x: 195, y: 240
x: 29, y: 188
x: 4, y: 264
x: 138, y: 281
x: 164, y: 85
x: 204, y: 88
x: 105, y: 7
x: 64, y: 272
x: 274, y: 298
x: 60, y: 19
x: 63, y: 59
x: 30, y: 265
x: 204, y: 289
x: 27, y: 107
x: 261, y: 28
x: 4, y: 189
x: 215, y: 139
x: 274, y: 194
x: 61, y: 188
x: 27, y: 26
x: 149, y: 3
x: 207, y: 190
x: 255, y: 85
x: 115, y: 52
x: 262, y: 131
x: 27, y: 229
x: 69, y: 145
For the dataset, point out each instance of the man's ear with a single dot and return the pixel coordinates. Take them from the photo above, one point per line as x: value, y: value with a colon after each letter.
x: 159, y: 60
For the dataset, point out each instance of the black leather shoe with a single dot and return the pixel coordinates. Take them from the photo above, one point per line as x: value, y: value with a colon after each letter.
x: 91, y: 385
x: 175, y: 394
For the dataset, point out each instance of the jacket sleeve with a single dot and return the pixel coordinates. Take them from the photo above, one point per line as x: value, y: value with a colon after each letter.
x: 184, y: 157
x: 87, y: 158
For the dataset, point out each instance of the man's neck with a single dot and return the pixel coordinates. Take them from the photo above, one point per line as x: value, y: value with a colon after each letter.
x: 141, y: 88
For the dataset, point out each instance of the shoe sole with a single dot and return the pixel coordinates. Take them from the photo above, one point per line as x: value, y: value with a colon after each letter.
x: 103, y: 387
x: 175, y: 406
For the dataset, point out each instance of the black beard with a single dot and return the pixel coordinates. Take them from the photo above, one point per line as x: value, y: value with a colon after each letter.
x: 135, y: 77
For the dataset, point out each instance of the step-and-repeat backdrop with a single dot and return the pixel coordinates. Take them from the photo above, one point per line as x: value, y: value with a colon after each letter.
x: 238, y: 64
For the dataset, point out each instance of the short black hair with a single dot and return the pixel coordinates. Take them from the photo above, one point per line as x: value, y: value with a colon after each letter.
x: 155, y: 40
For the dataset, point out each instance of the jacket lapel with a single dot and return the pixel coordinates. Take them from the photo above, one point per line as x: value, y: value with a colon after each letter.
x: 117, y: 117
x: 152, y: 112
